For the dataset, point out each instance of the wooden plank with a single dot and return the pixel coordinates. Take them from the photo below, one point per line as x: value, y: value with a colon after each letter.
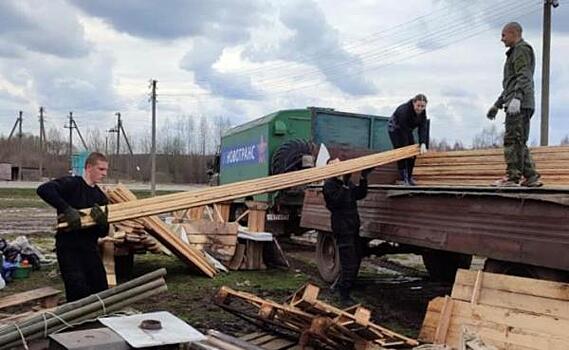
x: 108, y: 257
x: 444, y: 321
x: 514, y: 284
x: 238, y: 257
x: 264, y: 339
x: 28, y: 296
x: 184, y: 200
x: 499, y: 324
x: 252, y: 336
x: 278, y: 344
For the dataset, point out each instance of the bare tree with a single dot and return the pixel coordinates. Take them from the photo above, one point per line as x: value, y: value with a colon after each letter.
x: 95, y: 140
x: 488, y: 138
x: 565, y: 141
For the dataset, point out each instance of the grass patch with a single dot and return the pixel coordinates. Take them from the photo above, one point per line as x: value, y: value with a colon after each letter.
x: 189, y: 295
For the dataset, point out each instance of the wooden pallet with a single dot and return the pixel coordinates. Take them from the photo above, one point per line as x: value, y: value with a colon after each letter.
x: 35, y: 301
x: 314, y: 320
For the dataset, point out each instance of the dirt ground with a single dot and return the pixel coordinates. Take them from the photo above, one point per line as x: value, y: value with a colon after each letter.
x: 398, y: 300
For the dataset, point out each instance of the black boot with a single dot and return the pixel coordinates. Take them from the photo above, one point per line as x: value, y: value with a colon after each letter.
x: 345, y: 298
x: 410, y: 179
x: 402, y: 177
x: 406, y: 178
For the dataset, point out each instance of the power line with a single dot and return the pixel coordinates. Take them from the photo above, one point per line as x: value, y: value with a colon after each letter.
x: 402, y: 50
x: 447, y: 23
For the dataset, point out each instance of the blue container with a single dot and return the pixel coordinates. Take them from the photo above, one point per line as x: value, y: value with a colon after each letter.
x: 78, y: 163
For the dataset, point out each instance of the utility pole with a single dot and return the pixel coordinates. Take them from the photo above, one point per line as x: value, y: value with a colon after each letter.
x: 70, y: 151
x: 42, y: 141
x: 546, y: 55
x: 18, y: 122
x: 20, y: 147
x: 153, y: 147
x: 120, y: 128
x: 80, y: 136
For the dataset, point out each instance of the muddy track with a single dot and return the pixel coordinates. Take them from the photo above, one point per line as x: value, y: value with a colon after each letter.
x: 25, y: 221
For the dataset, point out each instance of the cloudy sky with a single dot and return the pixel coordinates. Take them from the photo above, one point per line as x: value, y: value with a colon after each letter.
x: 244, y: 59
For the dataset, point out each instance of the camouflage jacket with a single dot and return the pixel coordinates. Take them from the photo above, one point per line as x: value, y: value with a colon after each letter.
x: 518, y: 76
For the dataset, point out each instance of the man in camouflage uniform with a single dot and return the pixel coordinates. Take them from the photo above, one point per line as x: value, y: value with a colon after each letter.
x: 517, y: 99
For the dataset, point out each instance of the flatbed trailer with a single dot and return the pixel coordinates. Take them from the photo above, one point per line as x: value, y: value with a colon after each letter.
x: 521, y: 231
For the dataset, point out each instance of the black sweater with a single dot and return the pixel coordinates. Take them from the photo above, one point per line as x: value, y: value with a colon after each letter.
x: 406, y: 120
x: 73, y: 191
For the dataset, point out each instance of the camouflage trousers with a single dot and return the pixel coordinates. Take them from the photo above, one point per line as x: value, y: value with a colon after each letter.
x: 516, y: 153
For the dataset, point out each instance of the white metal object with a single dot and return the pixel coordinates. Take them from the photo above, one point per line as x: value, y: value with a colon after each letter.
x: 173, y: 331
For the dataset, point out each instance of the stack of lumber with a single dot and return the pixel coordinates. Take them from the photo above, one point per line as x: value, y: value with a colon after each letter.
x: 505, y: 311
x: 482, y: 167
x: 314, y: 320
x: 131, y: 236
x: 194, y: 258
x: 133, y: 209
x: 111, y: 300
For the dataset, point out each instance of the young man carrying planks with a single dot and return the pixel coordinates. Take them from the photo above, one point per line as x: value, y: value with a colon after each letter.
x: 77, y: 252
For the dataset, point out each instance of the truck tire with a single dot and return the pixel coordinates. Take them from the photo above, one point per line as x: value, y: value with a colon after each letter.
x: 327, y: 256
x: 288, y: 156
x: 442, y: 265
x: 525, y: 270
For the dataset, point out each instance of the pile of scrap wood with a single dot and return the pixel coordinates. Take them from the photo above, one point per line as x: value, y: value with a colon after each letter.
x: 43, y: 323
x: 482, y: 167
x: 194, y: 258
x: 131, y: 237
x: 313, y: 320
x: 131, y: 208
x: 504, y: 311
x: 218, y: 239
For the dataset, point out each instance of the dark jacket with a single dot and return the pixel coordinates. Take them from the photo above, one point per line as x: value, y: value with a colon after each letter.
x: 73, y: 191
x: 405, y: 120
x: 341, y: 199
x: 518, y: 76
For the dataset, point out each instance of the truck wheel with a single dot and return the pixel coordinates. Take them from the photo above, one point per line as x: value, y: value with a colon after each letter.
x: 288, y: 156
x: 442, y: 265
x: 525, y: 270
x: 327, y: 256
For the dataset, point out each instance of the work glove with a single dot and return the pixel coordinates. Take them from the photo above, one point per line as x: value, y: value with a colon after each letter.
x: 492, y: 112
x: 514, y: 106
x: 365, y: 173
x: 423, y: 148
x: 100, y: 216
x: 73, y: 218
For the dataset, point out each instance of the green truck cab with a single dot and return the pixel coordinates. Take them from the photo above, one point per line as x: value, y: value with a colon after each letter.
x: 279, y: 142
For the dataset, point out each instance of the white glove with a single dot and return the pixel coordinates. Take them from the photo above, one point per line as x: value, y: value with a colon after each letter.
x: 423, y: 148
x: 514, y: 106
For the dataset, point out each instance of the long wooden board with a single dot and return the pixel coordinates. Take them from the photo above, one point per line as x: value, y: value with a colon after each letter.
x: 179, y: 201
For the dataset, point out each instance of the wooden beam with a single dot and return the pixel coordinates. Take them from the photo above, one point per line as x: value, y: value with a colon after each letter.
x: 179, y: 201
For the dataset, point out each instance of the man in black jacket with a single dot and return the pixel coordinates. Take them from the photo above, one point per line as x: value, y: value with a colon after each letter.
x: 406, y: 118
x: 78, y: 256
x: 341, y: 196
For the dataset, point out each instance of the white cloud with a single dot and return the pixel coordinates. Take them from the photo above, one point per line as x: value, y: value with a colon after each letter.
x: 249, y: 58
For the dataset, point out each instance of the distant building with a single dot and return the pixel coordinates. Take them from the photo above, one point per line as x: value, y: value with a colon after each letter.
x: 5, y: 172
